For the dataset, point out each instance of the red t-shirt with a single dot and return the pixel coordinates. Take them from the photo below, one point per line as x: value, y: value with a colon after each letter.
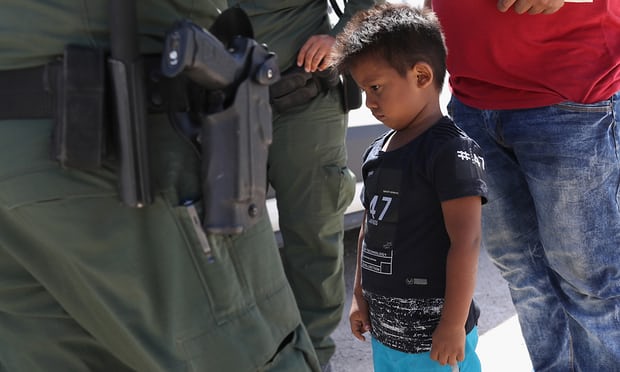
x: 510, y: 61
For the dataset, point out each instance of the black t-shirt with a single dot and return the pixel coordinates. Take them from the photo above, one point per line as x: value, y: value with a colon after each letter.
x: 405, y: 245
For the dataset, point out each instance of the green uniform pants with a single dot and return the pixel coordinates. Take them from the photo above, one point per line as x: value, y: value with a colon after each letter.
x: 87, y: 284
x: 307, y: 169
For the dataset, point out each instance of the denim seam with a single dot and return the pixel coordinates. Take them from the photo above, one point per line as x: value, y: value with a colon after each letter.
x: 571, y: 350
x: 603, y: 106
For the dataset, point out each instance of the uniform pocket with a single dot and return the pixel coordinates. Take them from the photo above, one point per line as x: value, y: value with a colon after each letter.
x: 338, y: 188
x: 236, y: 271
x: 216, y: 268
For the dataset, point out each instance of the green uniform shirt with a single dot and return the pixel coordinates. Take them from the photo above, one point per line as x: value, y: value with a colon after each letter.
x: 27, y: 41
x: 285, y: 25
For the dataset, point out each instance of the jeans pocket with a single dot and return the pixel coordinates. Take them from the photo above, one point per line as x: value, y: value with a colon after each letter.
x: 596, y: 107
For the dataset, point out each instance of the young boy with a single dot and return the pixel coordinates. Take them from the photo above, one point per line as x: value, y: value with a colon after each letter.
x: 423, y: 190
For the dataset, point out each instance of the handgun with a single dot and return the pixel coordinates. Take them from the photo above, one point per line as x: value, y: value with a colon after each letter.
x: 235, y: 123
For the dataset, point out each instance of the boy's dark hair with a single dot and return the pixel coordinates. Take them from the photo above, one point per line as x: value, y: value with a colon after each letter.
x: 401, y: 34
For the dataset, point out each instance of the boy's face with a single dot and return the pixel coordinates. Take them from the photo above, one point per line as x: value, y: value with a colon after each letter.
x: 393, y: 99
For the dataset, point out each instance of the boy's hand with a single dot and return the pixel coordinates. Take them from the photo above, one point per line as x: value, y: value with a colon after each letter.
x: 358, y: 317
x: 448, y: 344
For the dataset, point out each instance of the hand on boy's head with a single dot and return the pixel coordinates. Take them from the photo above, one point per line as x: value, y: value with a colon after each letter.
x: 530, y: 6
x: 314, y: 54
x: 448, y: 345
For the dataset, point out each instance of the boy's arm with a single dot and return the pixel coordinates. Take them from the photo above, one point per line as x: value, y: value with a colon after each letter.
x: 462, y: 217
x: 358, y: 315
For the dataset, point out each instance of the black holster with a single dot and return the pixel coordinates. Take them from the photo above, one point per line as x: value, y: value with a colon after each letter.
x: 234, y: 123
x: 235, y: 145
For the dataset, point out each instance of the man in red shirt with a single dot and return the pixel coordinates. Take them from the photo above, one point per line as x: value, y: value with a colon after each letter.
x: 536, y: 83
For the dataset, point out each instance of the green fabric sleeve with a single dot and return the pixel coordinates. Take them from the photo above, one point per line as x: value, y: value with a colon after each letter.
x: 35, y: 32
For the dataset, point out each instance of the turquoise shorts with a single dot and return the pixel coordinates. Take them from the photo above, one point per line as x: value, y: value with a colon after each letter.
x: 386, y: 359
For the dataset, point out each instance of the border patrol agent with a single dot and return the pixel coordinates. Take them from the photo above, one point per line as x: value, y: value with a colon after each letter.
x: 307, y: 159
x: 88, y: 283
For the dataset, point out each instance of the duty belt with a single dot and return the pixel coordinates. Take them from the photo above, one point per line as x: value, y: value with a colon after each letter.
x: 27, y: 93
x: 75, y: 91
x: 32, y: 93
x: 296, y: 87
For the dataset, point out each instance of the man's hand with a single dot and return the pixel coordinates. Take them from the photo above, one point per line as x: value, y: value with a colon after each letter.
x: 530, y: 6
x: 314, y: 54
x: 358, y: 317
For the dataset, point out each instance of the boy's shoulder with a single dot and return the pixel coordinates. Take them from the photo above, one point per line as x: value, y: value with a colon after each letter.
x: 447, y: 134
x: 446, y: 140
x: 446, y: 130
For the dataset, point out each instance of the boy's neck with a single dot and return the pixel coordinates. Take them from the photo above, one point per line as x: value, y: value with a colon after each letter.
x: 419, y: 124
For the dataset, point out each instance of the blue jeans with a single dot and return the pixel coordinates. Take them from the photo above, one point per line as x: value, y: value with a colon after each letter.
x: 552, y: 225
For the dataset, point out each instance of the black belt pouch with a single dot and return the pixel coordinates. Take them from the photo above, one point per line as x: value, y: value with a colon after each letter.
x: 79, y: 136
x: 352, y: 95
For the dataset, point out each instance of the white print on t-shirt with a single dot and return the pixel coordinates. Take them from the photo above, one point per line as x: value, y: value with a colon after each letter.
x: 373, y: 208
x: 378, y: 262
x: 404, y: 324
x: 469, y: 156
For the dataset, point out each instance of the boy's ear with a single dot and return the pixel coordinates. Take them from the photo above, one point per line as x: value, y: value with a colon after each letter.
x: 424, y: 74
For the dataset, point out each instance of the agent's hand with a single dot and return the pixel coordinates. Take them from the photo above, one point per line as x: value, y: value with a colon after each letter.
x: 314, y: 54
x: 448, y: 345
x: 359, y: 318
x: 530, y: 6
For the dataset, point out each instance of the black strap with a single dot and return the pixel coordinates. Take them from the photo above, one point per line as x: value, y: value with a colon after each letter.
x: 29, y: 92
x: 336, y: 7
